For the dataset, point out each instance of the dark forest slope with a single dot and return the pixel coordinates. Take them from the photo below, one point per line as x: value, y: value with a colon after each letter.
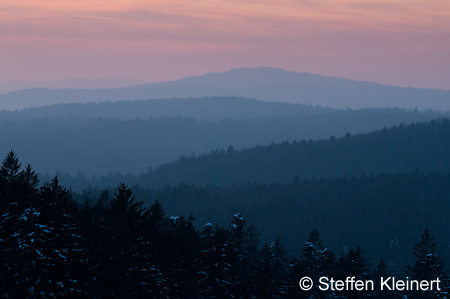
x: 423, y: 147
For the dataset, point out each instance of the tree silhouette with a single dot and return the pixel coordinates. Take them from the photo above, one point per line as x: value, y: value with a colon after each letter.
x: 428, y: 265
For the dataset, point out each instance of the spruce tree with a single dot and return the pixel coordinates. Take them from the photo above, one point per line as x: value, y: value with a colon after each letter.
x: 354, y: 264
x: 315, y: 262
x: 181, y: 258
x: 428, y: 265
x: 244, y: 241
x: 127, y: 268
x: 18, y: 201
x: 95, y: 233
x: 62, y: 258
x: 379, y: 272
x: 270, y: 275
x: 216, y: 262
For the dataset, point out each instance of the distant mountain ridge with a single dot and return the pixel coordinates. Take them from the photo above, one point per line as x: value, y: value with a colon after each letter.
x: 131, y: 136
x: 83, y: 83
x: 264, y: 83
x: 207, y: 108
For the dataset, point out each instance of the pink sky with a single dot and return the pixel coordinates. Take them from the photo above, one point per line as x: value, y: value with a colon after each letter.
x: 396, y: 42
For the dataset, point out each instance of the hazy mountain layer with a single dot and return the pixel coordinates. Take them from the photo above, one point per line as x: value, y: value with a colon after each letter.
x: 211, y: 108
x: 71, y: 83
x: 260, y: 83
x: 97, y: 145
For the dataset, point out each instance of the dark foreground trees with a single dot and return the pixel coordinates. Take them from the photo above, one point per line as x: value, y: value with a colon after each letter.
x: 41, y: 245
x: 427, y: 265
x: 52, y: 246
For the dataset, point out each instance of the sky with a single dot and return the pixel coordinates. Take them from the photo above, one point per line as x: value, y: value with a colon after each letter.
x: 395, y: 42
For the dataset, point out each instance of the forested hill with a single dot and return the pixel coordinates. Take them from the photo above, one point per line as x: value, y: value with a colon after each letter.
x: 205, y: 108
x: 60, y: 139
x: 422, y: 147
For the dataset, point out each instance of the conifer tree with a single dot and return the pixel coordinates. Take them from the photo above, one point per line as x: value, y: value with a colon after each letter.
x: 354, y: 264
x: 244, y: 241
x: 18, y: 199
x: 379, y: 272
x: 428, y: 265
x: 315, y: 261
x: 217, y: 260
x: 270, y: 275
x: 62, y: 257
x: 263, y: 273
x: 95, y: 234
x: 127, y: 268
x: 181, y: 258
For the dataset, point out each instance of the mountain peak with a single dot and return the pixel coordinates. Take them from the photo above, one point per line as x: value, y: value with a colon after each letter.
x: 261, y: 83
